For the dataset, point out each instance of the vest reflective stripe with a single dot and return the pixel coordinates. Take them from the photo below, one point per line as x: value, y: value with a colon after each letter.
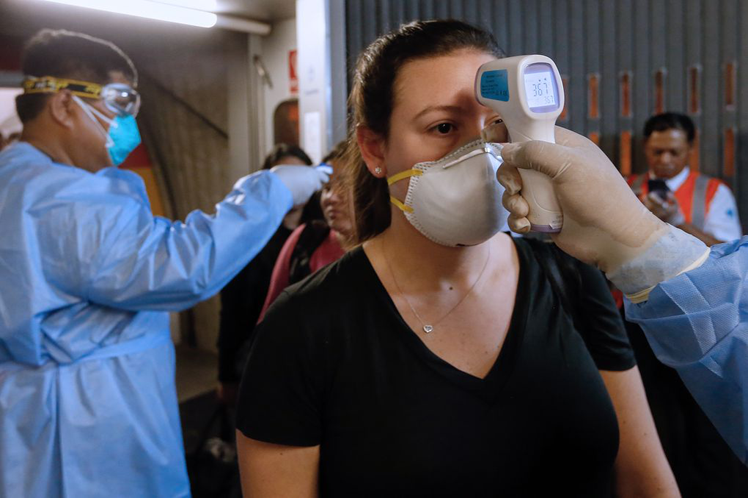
x: 685, y: 196
x: 698, y: 210
x: 695, y: 195
x: 711, y: 191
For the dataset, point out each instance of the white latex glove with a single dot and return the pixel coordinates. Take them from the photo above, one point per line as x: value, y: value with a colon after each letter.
x: 667, y: 209
x: 604, y: 222
x: 302, y: 181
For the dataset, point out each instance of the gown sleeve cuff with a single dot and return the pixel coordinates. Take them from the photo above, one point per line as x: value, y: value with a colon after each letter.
x: 672, y: 254
x: 641, y: 296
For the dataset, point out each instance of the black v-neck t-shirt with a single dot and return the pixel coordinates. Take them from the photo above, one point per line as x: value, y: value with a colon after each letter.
x: 334, y: 364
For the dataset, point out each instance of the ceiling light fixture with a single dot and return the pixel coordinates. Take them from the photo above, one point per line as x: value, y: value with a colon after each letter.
x: 152, y: 10
x: 206, y: 5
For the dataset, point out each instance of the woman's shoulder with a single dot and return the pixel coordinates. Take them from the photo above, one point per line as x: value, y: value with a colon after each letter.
x: 533, y: 245
x: 583, y: 293
x: 331, y: 289
x: 321, y: 312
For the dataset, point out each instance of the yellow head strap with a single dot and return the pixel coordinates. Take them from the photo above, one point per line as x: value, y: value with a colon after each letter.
x: 49, y: 84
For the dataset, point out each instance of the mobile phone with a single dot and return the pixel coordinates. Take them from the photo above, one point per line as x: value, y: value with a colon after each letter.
x: 659, y: 188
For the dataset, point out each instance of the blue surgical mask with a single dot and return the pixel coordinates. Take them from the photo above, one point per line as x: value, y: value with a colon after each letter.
x: 123, y: 136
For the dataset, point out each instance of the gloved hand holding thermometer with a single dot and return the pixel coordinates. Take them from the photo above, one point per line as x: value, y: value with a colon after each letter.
x: 605, y: 224
x: 527, y: 92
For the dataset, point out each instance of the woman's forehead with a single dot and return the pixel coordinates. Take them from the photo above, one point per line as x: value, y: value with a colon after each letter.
x: 436, y: 80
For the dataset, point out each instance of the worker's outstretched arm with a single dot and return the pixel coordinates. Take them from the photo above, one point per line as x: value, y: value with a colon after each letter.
x: 130, y: 259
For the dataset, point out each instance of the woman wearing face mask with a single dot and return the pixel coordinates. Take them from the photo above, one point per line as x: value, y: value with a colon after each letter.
x: 316, y: 243
x: 435, y: 359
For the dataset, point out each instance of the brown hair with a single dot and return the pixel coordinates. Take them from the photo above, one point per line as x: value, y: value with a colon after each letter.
x: 281, y: 150
x: 372, y: 99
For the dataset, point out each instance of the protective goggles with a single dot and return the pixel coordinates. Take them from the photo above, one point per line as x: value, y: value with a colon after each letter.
x: 119, y: 98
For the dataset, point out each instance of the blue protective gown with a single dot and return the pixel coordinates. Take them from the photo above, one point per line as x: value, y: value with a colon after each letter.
x: 697, y: 323
x: 88, y: 404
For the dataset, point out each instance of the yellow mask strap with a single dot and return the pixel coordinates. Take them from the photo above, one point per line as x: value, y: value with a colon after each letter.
x: 403, y: 175
x: 396, y: 178
x: 49, y: 84
x: 403, y: 207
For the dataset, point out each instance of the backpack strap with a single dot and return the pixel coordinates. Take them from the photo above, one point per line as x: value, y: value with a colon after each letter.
x: 312, y: 236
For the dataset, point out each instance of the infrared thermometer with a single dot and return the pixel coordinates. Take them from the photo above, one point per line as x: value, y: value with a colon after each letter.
x: 527, y: 92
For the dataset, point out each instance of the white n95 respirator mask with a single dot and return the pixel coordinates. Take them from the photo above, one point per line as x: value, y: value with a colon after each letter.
x: 455, y: 201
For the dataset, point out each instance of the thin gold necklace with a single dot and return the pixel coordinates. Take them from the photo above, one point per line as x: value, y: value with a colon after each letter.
x: 429, y: 327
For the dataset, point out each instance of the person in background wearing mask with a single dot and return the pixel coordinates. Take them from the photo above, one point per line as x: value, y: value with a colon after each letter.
x: 690, y: 300
x: 695, y: 203
x: 88, y: 404
x: 434, y: 359
x: 242, y: 298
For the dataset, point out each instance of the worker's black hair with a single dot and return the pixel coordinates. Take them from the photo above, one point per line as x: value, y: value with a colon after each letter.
x: 76, y: 56
x: 670, y: 121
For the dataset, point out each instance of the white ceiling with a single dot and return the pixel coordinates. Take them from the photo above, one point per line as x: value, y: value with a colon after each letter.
x: 260, y: 10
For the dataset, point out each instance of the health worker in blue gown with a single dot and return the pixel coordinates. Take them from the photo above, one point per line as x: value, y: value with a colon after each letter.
x: 690, y: 300
x: 88, y: 404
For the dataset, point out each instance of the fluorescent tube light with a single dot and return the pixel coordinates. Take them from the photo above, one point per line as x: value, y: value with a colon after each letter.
x: 150, y: 10
x: 206, y: 5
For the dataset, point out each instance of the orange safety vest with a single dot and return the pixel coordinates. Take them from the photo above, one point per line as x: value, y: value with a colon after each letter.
x: 694, y: 196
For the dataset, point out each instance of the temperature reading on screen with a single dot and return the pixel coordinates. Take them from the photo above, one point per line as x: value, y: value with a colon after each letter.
x: 539, y: 89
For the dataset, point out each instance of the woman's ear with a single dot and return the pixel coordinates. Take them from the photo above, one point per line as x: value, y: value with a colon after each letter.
x: 371, y: 146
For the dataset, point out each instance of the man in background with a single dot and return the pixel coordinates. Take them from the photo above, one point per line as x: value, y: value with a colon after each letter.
x: 697, y: 204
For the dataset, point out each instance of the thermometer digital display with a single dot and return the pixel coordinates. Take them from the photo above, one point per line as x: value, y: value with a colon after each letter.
x: 540, y: 88
x: 526, y: 91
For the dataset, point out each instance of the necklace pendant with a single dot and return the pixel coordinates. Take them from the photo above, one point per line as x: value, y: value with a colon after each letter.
x: 428, y: 328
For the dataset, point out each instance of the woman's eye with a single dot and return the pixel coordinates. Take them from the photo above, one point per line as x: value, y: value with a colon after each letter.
x: 444, y: 128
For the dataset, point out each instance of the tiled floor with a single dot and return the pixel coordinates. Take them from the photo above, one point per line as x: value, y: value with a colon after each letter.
x: 197, y: 372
